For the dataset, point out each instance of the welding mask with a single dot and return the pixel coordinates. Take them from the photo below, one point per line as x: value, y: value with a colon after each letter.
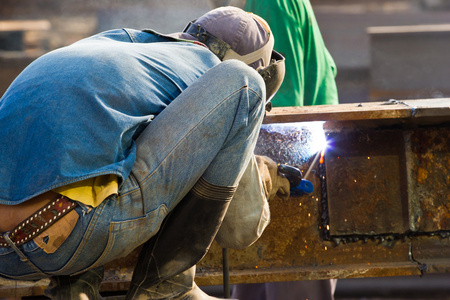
x: 273, y: 76
x: 238, y: 31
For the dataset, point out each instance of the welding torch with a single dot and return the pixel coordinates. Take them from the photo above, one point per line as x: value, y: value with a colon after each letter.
x: 299, y: 185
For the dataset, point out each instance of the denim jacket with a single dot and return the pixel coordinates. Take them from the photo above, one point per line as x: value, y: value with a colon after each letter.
x: 74, y: 113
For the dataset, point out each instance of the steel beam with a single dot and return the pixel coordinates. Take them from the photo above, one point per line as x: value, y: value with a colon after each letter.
x: 380, y: 206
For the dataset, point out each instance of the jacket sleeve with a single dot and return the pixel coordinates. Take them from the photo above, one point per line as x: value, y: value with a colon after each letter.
x: 248, y: 214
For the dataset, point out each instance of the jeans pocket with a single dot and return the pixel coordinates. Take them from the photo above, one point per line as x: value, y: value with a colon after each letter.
x: 5, y: 251
x: 127, y: 235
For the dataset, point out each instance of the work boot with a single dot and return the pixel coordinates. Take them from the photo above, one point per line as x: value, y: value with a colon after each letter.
x: 183, y: 239
x: 179, y: 287
x: 84, y: 286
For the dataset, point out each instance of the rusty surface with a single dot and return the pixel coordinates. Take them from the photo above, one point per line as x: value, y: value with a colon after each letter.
x: 293, y: 246
x: 431, y: 253
x: 366, y: 181
x: 386, y: 193
x: 431, y: 177
x: 383, y: 191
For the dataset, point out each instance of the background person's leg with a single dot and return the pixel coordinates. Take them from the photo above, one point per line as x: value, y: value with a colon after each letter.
x: 306, y: 289
x: 288, y: 290
x: 250, y: 291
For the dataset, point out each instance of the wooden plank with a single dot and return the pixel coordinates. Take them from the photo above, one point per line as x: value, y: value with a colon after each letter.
x: 390, y: 110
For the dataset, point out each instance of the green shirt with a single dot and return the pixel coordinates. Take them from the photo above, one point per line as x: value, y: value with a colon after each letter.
x: 310, y: 69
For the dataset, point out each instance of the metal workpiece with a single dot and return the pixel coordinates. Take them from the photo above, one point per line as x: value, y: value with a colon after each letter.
x: 431, y: 171
x: 380, y: 205
x: 365, y: 181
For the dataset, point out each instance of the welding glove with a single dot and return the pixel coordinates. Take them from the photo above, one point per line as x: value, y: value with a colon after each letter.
x: 275, y: 184
x: 248, y: 214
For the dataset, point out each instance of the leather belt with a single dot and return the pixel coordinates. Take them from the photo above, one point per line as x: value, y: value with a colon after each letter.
x: 39, y: 221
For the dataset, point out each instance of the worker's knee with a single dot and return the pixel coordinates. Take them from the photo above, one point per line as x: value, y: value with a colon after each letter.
x: 242, y: 75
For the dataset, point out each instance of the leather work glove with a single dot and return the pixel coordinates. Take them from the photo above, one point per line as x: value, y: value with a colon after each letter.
x: 275, y: 184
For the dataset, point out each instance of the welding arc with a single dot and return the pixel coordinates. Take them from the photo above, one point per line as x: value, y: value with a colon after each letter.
x: 312, y: 165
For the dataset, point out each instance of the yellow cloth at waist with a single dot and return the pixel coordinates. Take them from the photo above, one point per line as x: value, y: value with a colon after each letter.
x: 91, y: 191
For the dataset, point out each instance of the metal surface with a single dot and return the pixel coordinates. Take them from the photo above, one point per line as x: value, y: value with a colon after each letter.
x: 430, y: 171
x: 380, y: 205
x: 366, y: 181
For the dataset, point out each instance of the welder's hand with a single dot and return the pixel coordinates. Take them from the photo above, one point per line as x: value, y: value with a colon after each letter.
x: 275, y: 184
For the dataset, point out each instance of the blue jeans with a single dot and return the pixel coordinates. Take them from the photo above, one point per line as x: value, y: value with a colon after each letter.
x: 209, y: 131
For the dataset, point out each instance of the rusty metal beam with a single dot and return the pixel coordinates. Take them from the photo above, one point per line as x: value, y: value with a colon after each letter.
x: 380, y: 206
x: 380, y: 203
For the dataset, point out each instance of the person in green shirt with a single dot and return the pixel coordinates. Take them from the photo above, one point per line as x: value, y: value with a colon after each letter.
x: 310, y: 69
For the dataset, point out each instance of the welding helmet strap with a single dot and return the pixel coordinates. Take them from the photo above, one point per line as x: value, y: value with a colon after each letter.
x: 216, y: 45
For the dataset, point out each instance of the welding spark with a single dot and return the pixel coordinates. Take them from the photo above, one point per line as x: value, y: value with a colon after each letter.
x: 322, y: 154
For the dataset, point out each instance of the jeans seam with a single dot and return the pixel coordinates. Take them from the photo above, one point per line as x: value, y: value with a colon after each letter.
x: 83, y: 242
x: 108, y: 247
x: 196, y: 125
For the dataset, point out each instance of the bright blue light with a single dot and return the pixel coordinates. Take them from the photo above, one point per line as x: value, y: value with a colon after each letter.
x: 318, y: 140
x: 296, y: 142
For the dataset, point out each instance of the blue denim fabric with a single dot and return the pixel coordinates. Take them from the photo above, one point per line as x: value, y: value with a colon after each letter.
x: 75, y: 112
x: 209, y: 131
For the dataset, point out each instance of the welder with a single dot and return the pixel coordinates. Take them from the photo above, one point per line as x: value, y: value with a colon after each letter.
x: 132, y: 137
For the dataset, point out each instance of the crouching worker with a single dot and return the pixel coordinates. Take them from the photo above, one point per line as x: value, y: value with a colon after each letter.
x: 131, y: 137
